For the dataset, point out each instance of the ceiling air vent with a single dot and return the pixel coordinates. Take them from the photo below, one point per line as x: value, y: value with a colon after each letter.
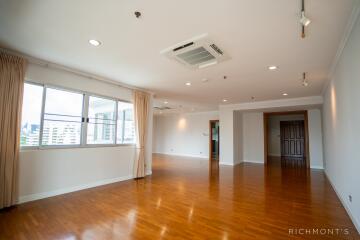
x: 218, y: 50
x: 198, y: 52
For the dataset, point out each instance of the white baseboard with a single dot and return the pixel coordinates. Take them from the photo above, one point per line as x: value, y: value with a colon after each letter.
x: 226, y: 164
x: 252, y: 161
x: 183, y: 155
x: 317, y: 167
x: 353, y: 219
x: 37, y: 196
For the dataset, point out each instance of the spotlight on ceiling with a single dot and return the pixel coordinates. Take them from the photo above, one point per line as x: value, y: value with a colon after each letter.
x: 188, y: 84
x: 224, y: 100
x: 285, y: 94
x: 304, y: 20
x: 305, y: 83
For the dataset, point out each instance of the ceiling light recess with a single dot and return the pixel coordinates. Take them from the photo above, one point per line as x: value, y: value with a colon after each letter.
x: 224, y: 100
x: 188, y: 84
x: 285, y: 94
x: 272, y: 67
x: 196, y: 53
x: 94, y: 42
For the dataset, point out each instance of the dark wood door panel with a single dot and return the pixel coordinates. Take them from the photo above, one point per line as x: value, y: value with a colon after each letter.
x: 292, y: 139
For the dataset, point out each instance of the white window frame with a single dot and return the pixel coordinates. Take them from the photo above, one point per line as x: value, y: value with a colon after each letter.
x: 115, y: 120
x: 84, y: 123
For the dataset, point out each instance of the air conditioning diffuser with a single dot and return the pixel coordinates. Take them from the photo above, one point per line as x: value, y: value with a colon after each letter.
x: 198, y: 52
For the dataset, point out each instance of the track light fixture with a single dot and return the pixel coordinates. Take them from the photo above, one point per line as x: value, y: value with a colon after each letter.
x: 305, y: 83
x: 303, y: 20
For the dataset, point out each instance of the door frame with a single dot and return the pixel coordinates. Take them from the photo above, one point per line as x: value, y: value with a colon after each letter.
x: 306, y: 128
x: 210, y: 139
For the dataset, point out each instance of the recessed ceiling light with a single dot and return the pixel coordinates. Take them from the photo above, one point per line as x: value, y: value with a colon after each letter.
x: 224, y: 100
x: 166, y: 102
x: 204, y: 80
x: 188, y: 84
x: 94, y: 42
x: 285, y: 94
x: 272, y: 67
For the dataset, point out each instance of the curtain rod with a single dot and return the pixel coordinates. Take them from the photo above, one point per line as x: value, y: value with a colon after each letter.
x: 44, y: 63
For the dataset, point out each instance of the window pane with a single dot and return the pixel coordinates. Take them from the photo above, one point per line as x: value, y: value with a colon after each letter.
x: 31, y: 115
x: 101, y: 126
x: 126, y: 126
x: 62, y: 117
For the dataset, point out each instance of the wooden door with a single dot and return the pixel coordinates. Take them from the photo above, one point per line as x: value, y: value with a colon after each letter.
x: 214, y: 138
x: 292, y: 135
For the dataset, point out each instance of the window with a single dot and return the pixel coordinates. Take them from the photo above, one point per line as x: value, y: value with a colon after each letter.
x: 31, y: 115
x: 102, y: 121
x: 126, y: 125
x: 73, y: 119
x: 62, y: 117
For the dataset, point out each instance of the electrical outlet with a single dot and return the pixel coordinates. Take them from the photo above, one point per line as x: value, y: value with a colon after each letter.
x: 200, y: 152
x: 350, y: 198
x: 172, y: 150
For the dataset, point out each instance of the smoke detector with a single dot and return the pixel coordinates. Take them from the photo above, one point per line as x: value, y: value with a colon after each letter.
x: 198, y: 52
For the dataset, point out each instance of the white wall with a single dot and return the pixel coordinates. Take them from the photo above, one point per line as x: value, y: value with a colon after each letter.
x: 253, y: 139
x: 183, y: 134
x: 274, y: 141
x: 50, y: 172
x: 238, y: 137
x: 226, y: 137
x: 341, y: 118
x: 315, y: 139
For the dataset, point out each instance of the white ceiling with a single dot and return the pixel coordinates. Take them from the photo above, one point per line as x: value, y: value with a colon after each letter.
x: 255, y: 33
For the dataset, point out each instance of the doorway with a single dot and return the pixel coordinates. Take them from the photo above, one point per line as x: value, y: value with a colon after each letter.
x: 214, y: 137
x: 286, y: 139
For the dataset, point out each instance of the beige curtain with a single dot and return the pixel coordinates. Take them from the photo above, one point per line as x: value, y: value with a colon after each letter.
x: 141, y: 109
x: 12, y: 70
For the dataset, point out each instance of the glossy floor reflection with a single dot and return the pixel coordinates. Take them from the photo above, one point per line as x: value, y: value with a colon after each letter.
x: 187, y: 199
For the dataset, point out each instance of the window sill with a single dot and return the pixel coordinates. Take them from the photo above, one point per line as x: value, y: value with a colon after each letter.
x: 23, y: 149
